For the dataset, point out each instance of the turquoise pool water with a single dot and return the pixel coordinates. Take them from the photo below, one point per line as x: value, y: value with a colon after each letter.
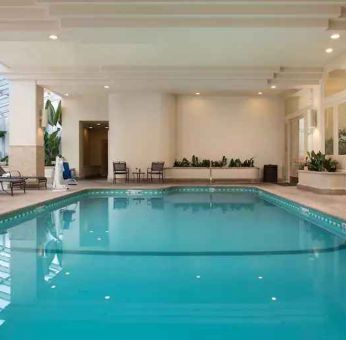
x: 172, y: 265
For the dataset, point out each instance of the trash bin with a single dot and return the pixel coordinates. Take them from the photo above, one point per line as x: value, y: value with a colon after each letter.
x: 270, y: 173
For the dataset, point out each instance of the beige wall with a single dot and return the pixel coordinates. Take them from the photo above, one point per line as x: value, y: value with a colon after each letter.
x: 76, y: 109
x: 238, y: 127
x: 146, y: 127
x: 141, y: 129
x: 26, y: 152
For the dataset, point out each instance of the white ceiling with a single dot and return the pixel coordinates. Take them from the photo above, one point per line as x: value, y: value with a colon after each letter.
x: 170, y: 45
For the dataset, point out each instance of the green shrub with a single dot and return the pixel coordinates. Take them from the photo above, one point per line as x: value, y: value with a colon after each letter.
x: 319, y: 162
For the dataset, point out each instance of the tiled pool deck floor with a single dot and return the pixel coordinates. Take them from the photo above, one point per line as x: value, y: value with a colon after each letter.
x: 331, y: 204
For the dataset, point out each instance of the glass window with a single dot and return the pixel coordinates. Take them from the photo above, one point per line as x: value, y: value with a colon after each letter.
x: 342, y: 128
x: 328, y: 131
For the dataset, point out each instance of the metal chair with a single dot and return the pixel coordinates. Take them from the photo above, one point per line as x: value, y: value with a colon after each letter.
x: 120, y: 168
x: 157, y: 169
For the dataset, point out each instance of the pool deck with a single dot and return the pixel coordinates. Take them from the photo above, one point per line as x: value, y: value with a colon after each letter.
x: 334, y: 205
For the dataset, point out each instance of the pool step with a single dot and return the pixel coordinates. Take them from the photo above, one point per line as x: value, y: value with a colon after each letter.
x: 4, y: 269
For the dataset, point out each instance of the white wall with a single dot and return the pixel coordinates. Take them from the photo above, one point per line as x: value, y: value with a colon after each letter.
x: 25, y: 105
x: 76, y: 109
x: 146, y: 127
x: 238, y: 127
x: 141, y: 129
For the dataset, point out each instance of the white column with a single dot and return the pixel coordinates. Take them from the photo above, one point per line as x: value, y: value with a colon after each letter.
x: 142, y: 129
x: 26, y: 152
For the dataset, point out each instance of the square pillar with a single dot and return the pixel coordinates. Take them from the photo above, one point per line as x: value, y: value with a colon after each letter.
x: 26, y: 151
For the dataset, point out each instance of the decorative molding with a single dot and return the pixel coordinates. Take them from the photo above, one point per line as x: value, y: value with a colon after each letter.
x: 241, y: 77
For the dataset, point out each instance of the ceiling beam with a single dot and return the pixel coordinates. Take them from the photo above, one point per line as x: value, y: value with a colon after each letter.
x: 23, y: 12
x: 29, y: 25
x: 17, y: 3
x: 240, y: 2
x: 337, y: 24
x: 194, y: 22
x: 209, y: 9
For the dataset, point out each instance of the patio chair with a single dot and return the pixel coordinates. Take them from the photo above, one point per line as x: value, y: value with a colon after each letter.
x: 16, y: 174
x: 156, y: 169
x: 12, y: 183
x: 120, y: 168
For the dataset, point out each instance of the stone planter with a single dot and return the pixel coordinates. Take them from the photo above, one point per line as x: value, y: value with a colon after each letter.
x: 236, y: 174
x: 231, y: 174
x: 322, y: 182
x: 191, y: 173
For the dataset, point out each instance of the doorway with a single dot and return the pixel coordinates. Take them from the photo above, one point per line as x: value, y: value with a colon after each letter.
x: 94, y: 149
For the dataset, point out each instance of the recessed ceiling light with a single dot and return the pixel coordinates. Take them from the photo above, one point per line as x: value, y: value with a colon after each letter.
x: 90, y: 127
x: 98, y: 124
x: 53, y: 37
x: 260, y: 93
x: 335, y: 36
x: 329, y: 50
x: 273, y: 87
x: 106, y: 86
x: 106, y: 127
x: 197, y: 93
x: 66, y: 94
x: 274, y: 298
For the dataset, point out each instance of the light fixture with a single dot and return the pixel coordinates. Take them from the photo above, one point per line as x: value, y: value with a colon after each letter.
x: 53, y: 37
x: 197, y: 93
x: 335, y: 36
x: 98, y: 124
x: 260, y: 93
x: 106, y: 86
x: 106, y: 127
x: 53, y: 286
x: 67, y: 273
x: 198, y: 276
x: 329, y: 50
x: 90, y: 127
x: 66, y: 94
x: 260, y: 277
x: 273, y: 298
x: 107, y: 297
x: 273, y: 87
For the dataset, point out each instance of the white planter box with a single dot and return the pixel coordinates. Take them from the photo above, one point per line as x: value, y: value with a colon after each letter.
x: 192, y: 173
x: 236, y: 174
x: 322, y: 182
x: 187, y: 173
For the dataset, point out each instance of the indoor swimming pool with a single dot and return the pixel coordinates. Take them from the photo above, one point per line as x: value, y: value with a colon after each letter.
x: 180, y: 263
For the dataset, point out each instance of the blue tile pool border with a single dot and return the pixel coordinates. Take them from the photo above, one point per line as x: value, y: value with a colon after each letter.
x: 328, y: 222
